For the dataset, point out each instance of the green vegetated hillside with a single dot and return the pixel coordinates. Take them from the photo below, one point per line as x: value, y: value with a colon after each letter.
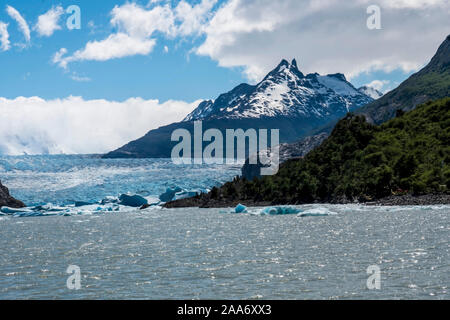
x: 408, y: 154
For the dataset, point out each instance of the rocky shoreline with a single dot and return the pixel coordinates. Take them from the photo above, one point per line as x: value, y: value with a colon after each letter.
x: 204, y: 201
x: 410, y: 200
x: 6, y: 200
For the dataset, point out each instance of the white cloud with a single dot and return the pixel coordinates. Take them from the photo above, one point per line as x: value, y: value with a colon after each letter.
x: 4, y: 37
x: 74, y: 125
x: 325, y: 36
x: 137, y: 26
x: 117, y: 45
x: 378, y: 84
x: 193, y: 18
x: 138, y: 22
x: 78, y: 78
x: 48, y: 23
x: 23, y: 25
x: 411, y: 4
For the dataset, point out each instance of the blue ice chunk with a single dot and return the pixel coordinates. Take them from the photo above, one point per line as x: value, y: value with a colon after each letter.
x: 9, y: 210
x: 170, y: 193
x: 132, y: 201
x: 82, y: 203
x: 240, y: 208
x: 48, y: 208
x: 186, y: 194
x: 109, y: 199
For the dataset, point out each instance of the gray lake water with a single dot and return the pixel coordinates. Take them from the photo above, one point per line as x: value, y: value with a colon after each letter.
x: 211, y: 254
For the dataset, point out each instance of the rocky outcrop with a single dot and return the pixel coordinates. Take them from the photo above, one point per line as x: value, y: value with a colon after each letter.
x: 6, y: 200
x: 410, y: 200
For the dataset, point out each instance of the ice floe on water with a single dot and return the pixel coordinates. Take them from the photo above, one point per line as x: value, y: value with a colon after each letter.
x: 317, y: 212
x: 124, y: 203
x: 281, y: 210
x: 177, y: 193
x: 240, y: 209
x: 127, y: 203
x: 324, y: 210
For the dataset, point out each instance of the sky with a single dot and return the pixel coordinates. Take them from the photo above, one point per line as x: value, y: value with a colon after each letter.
x: 132, y: 66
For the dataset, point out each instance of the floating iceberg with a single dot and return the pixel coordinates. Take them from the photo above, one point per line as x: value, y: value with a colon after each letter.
x: 48, y: 208
x: 8, y: 210
x: 317, y: 212
x: 185, y: 194
x: 170, y: 193
x: 82, y: 203
x: 280, y: 210
x: 109, y: 199
x: 132, y: 201
x: 152, y: 201
x: 240, y: 209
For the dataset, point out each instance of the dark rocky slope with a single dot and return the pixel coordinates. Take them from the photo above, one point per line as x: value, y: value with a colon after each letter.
x: 6, y: 199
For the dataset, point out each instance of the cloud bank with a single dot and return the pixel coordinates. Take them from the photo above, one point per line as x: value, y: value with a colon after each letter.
x: 326, y: 36
x: 77, y: 126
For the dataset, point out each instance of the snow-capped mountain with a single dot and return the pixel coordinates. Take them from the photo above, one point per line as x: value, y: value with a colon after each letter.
x: 371, y: 92
x: 286, y: 100
x: 286, y: 92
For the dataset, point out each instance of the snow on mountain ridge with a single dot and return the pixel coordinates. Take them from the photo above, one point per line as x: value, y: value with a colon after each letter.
x: 285, y: 91
x: 371, y: 92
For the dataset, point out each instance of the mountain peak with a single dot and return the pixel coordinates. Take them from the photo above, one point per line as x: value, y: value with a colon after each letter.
x: 339, y: 76
x: 284, y: 63
x: 441, y: 60
x: 294, y: 63
x: 286, y: 92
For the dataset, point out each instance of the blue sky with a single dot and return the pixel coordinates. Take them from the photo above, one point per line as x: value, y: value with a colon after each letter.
x: 139, y: 64
x: 178, y: 74
x: 175, y: 75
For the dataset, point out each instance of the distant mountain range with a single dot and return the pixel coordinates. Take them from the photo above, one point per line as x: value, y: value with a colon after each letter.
x: 285, y: 99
